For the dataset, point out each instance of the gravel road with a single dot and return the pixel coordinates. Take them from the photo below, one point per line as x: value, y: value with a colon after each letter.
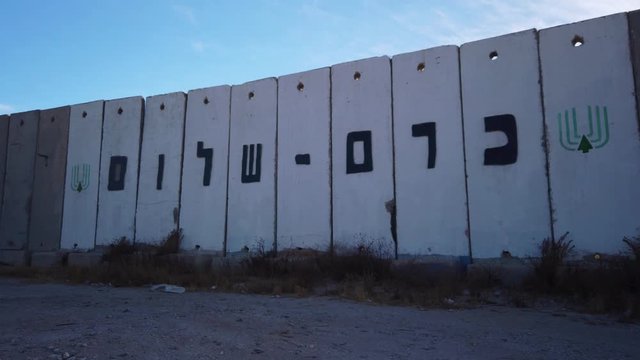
x: 56, y: 321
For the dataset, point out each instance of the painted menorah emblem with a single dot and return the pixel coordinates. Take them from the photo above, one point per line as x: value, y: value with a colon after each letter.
x: 80, y: 175
x: 597, y: 137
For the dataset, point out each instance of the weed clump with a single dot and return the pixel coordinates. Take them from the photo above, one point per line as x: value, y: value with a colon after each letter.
x: 553, y: 254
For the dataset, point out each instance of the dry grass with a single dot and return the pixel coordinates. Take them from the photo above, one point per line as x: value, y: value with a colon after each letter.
x: 368, y: 273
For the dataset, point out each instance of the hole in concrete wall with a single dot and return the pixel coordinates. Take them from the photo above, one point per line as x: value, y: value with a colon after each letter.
x: 75, y: 246
x: 84, y: 114
x: 206, y: 100
x: 120, y: 111
x: 197, y: 247
x: 300, y: 86
x: 493, y: 55
x: 53, y: 119
x: 251, y: 95
x: 357, y: 76
x: 420, y: 67
x: 162, y: 107
x: 21, y: 122
x: 577, y: 41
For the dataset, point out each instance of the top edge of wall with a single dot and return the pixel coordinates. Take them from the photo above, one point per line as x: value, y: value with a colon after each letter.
x: 25, y: 112
x: 272, y: 78
x: 209, y: 88
x: 620, y: 14
x: 175, y: 93
x: 129, y: 98
x: 300, y: 73
x: 57, y: 108
x: 88, y: 103
x: 513, y: 34
x: 431, y: 49
x: 350, y: 63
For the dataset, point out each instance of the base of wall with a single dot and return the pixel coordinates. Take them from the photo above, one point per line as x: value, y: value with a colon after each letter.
x: 87, y: 259
x: 13, y: 257
x: 509, y: 271
x: 47, y: 259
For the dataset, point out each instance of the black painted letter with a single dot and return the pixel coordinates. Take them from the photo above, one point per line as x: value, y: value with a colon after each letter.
x: 117, y: 171
x: 207, y: 154
x: 249, y: 173
x: 428, y: 130
x: 160, y: 175
x: 365, y: 138
x: 508, y: 153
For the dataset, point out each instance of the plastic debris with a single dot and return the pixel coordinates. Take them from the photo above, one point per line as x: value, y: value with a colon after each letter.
x: 168, y: 288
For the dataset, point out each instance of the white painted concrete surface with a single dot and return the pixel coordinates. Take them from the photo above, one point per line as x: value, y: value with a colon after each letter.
x: 508, y: 204
x: 361, y: 101
x: 304, y: 190
x: 120, y: 137
x: 430, y: 197
x: 203, y: 207
x: 158, y: 210
x: 251, y: 204
x: 596, y: 196
x: 82, y: 176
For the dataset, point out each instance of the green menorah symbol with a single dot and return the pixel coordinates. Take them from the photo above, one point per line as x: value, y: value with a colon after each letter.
x: 80, y: 176
x: 572, y: 140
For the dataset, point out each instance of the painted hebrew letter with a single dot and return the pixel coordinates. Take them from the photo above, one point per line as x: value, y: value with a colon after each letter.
x: 303, y: 159
x: 367, y: 164
x: 117, y: 171
x: 428, y: 130
x: 249, y: 172
x: 508, y: 153
x: 160, y: 175
x: 207, y: 154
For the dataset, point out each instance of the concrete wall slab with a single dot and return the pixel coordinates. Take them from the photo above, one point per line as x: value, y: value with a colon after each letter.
x: 203, y: 204
x: 362, y: 153
x: 18, y: 187
x: 503, y: 122
x: 119, y: 169
x: 594, y: 145
x: 49, y: 178
x: 83, y: 172
x: 304, y: 163
x: 158, y: 208
x: 252, y: 155
x: 431, y: 197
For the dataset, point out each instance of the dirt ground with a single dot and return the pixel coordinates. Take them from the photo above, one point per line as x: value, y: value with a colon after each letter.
x: 56, y: 321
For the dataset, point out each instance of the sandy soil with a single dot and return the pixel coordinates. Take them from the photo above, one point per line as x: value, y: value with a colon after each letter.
x: 55, y: 321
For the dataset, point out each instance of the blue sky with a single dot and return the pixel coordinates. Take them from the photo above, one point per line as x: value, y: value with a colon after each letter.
x: 58, y: 53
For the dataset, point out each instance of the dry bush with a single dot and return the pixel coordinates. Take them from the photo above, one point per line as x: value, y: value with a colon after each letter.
x: 553, y: 254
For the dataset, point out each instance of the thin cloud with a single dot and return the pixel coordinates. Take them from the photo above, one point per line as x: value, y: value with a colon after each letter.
x: 187, y: 13
x: 199, y: 46
x: 6, y: 109
x: 469, y: 21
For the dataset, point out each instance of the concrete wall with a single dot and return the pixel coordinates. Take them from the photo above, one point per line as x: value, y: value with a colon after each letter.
x: 362, y: 153
x: 503, y: 123
x: 252, y: 159
x: 18, y: 186
x: 83, y: 170
x: 119, y: 169
x: 158, y: 209
x: 594, y: 152
x: 304, y: 163
x: 482, y: 150
x: 429, y: 159
x: 4, y: 137
x: 48, y: 181
x: 204, y: 172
